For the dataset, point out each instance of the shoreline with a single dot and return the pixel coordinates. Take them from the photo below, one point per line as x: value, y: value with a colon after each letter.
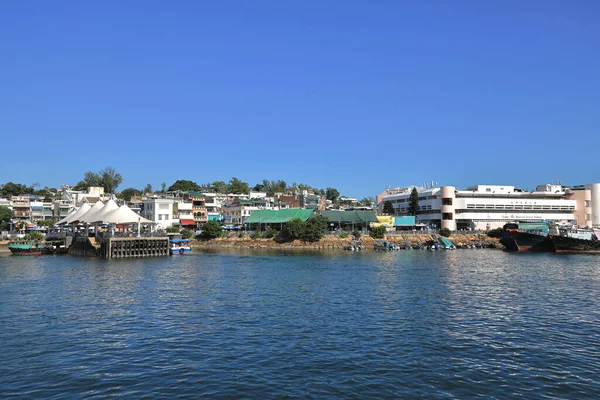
x: 332, y: 243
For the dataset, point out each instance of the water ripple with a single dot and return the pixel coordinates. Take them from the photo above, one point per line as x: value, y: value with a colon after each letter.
x: 447, y: 325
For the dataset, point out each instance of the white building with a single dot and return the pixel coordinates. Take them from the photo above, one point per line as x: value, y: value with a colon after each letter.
x: 485, y: 206
x: 160, y: 211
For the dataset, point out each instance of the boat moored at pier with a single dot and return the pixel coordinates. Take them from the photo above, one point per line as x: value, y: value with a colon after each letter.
x: 574, y: 240
x: 526, y: 237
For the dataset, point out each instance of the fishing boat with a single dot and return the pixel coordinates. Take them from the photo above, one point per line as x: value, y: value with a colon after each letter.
x: 526, y: 236
x: 27, y: 247
x: 566, y: 239
x: 179, y: 246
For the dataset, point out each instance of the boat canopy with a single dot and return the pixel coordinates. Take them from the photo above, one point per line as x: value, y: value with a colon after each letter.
x: 179, y: 240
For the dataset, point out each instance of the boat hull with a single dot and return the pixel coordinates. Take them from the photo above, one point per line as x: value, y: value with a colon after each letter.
x: 180, y: 251
x: 525, y: 242
x: 25, y: 249
x: 563, y: 244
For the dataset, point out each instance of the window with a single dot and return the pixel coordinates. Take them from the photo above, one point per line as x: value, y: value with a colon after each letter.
x: 447, y: 216
x: 488, y: 190
x: 588, y: 217
x: 586, y: 203
x: 163, y: 206
x: 446, y: 201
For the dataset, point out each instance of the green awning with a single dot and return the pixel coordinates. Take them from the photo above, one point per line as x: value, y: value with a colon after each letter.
x: 278, y: 216
x: 354, y: 216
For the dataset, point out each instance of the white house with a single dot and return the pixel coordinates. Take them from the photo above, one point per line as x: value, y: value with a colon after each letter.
x: 160, y: 211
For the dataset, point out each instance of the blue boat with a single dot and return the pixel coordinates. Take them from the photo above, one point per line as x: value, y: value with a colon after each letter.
x: 179, y: 246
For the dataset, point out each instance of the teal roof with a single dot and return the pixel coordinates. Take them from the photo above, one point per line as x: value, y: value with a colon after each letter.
x: 356, y: 216
x: 278, y: 216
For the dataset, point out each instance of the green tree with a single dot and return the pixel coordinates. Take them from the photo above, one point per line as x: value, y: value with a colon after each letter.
x: 367, y: 202
x: 388, y: 208
x: 34, y: 235
x: 237, y: 187
x: 211, y: 230
x: 186, y: 234
x: 163, y: 187
x: 413, y: 202
x: 357, y: 234
x: 219, y: 187
x: 315, y: 228
x: 184, y: 186
x: 5, y: 217
x: 110, y: 179
x: 14, y: 189
x: 128, y: 193
x: 293, y: 230
x: 377, y: 232
x: 173, y: 228
x: 445, y: 232
x: 148, y: 188
x: 332, y: 194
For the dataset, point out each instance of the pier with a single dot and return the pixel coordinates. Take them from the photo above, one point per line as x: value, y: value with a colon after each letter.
x: 120, y: 247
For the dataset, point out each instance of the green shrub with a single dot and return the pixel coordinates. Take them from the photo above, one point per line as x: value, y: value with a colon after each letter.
x: 445, y: 232
x: 378, y: 232
x: 270, y: 233
x: 315, y: 228
x: 211, y: 230
x: 256, y: 234
x: 344, y: 235
x: 173, y: 229
x: 34, y: 235
x: 186, y: 234
x: 357, y: 234
x: 293, y: 230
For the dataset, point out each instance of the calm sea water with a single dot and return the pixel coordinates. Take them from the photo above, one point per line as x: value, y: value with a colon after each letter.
x: 410, y: 324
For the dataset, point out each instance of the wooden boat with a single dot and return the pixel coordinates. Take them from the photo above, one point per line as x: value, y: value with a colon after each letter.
x: 27, y: 247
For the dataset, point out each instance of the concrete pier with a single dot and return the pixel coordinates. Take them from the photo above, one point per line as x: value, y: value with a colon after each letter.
x: 134, y: 247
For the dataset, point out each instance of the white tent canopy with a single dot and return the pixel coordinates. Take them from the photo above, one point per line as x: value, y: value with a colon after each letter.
x: 74, y: 216
x: 124, y: 215
x: 91, y: 214
x: 100, y: 216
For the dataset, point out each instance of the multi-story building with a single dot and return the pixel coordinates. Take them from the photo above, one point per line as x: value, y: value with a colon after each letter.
x: 60, y: 209
x: 587, y: 211
x: 197, y: 201
x: 21, y: 208
x: 37, y: 210
x: 485, y: 206
x: 183, y: 211
x: 160, y: 211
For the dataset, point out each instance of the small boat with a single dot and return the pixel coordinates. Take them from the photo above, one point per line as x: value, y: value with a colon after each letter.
x: 447, y: 244
x: 355, y: 245
x: 27, y: 247
x: 384, y: 245
x: 179, y: 246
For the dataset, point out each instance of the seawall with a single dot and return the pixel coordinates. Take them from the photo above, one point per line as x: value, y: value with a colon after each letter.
x: 336, y: 242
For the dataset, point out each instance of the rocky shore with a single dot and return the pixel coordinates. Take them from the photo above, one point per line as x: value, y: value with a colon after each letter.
x: 334, y: 242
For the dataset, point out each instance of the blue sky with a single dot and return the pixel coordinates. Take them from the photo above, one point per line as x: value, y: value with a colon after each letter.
x: 349, y: 94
